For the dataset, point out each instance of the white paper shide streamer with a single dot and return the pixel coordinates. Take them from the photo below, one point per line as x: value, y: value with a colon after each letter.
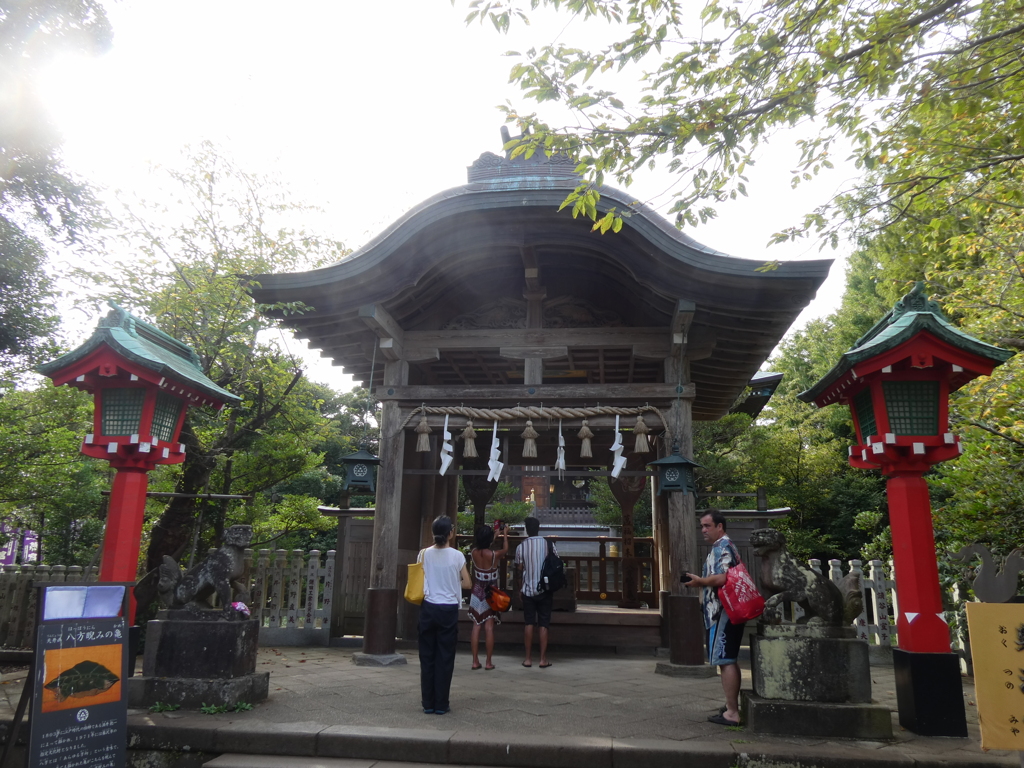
x: 560, y: 458
x: 494, y: 464
x: 619, y: 461
x: 446, y: 448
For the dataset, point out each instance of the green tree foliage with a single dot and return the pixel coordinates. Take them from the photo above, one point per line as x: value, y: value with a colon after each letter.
x: 46, y: 485
x: 720, y: 80
x: 186, y: 272
x: 608, y: 512
x: 799, y: 454
x: 505, y: 506
x: 957, y: 166
x: 39, y: 198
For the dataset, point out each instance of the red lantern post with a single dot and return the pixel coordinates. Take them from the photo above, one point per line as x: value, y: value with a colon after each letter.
x: 896, y: 380
x: 143, y: 381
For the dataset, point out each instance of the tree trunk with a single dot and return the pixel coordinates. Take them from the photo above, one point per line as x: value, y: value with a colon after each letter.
x: 479, y: 489
x: 627, y: 491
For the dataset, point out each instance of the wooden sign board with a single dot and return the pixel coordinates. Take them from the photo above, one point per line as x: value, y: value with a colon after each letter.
x: 997, y: 647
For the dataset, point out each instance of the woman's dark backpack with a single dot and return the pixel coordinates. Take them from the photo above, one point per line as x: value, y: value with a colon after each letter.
x: 552, y: 572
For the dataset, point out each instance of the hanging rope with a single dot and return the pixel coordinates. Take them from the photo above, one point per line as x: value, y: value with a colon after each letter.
x: 369, y: 398
x: 530, y: 412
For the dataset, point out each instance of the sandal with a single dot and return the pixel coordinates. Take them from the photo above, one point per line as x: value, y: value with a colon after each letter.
x: 527, y: 664
x: 475, y: 666
x: 489, y: 667
x: 545, y: 665
x: 721, y: 720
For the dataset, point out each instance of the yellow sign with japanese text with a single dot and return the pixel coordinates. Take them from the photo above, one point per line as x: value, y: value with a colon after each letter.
x: 997, y: 647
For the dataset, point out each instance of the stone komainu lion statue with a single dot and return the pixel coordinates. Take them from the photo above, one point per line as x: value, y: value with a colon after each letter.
x: 789, y: 582
x: 218, y: 574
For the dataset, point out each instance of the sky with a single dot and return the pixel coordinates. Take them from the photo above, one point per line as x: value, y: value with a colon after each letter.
x: 361, y: 109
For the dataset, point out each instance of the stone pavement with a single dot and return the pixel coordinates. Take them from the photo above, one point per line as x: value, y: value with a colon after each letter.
x: 586, y: 710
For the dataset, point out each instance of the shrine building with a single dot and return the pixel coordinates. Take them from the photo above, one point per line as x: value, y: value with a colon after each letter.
x: 487, y: 303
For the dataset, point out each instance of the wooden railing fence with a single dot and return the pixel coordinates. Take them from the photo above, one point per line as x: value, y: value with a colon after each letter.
x: 598, y: 575
x: 292, y: 595
x: 18, y: 599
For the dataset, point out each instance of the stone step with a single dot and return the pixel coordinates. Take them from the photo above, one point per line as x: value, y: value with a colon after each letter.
x: 287, y: 761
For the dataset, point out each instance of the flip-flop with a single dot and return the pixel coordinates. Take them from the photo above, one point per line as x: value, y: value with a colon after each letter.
x: 720, y: 720
x: 477, y: 666
x: 545, y: 666
x: 488, y: 668
x: 525, y: 664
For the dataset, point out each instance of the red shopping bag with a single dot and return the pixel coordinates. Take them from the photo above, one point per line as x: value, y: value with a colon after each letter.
x: 740, y: 598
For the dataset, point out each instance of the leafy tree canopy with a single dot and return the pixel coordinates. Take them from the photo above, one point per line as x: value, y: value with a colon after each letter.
x: 189, y: 255
x: 38, y: 196
x: 718, y: 84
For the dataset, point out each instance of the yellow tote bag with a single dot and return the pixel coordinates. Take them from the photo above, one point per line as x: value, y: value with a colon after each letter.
x: 414, y: 587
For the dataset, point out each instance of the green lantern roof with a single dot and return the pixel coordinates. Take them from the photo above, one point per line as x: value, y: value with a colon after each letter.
x: 362, y: 456
x: 912, y: 314
x: 147, y: 346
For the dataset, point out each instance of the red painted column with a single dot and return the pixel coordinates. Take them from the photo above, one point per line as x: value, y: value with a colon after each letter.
x: 920, y: 625
x: 123, y: 536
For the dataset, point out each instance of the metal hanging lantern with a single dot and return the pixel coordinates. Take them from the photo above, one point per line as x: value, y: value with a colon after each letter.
x: 359, y: 470
x: 675, y: 472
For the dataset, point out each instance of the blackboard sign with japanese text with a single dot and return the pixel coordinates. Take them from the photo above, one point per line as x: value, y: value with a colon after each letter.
x: 79, y: 704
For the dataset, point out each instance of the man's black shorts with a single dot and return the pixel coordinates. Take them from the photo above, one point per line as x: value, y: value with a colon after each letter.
x: 537, y: 609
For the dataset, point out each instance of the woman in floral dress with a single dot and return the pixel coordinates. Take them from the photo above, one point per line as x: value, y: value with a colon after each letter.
x: 485, y: 574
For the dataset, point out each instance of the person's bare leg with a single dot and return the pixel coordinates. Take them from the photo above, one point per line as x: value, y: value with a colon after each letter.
x: 474, y: 644
x: 732, y: 676
x: 543, y: 646
x: 489, y: 640
x: 528, y: 642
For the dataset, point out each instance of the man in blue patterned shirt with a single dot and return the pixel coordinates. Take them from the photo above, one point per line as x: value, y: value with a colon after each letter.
x: 724, y: 637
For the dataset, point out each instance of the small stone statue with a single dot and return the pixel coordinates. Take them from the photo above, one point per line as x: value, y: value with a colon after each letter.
x: 218, y: 574
x: 992, y: 582
x: 823, y: 602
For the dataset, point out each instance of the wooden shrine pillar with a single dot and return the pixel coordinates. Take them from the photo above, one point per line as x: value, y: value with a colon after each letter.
x: 382, y: 596
x: 683, y: 614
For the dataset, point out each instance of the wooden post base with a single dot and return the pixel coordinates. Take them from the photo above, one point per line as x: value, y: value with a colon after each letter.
x: 381, y: 621
x: 685, y: 630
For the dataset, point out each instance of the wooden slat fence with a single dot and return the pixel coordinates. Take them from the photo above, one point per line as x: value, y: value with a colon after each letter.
x: 292, y: 595
x: 18, y: 599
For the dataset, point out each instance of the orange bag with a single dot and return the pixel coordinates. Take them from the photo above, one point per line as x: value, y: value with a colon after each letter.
x: 498, y: 599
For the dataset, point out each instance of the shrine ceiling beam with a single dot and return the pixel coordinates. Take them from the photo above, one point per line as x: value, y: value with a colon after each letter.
x: 571, y: 394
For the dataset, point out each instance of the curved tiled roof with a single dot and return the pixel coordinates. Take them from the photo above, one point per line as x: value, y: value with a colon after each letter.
x: 147, y: 346
x: 462, y: 250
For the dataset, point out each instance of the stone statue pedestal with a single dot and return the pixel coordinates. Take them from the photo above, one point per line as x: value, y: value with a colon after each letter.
x: 197, y: 657
x: 813, y: 681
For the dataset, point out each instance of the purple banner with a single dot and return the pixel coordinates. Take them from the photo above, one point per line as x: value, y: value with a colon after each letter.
x: 9, y: 551
x: 30, y: 547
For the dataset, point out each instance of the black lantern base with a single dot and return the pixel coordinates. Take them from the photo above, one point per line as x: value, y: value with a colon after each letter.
x: 930, y: 693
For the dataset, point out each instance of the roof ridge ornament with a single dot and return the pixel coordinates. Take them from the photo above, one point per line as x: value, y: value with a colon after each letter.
x: 914, y: 301
x: 489, y: 166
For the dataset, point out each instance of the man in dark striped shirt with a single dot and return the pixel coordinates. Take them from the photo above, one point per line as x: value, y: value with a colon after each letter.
x: 536, y: 601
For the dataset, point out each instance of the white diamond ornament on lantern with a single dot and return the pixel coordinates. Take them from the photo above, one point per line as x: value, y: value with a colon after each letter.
x: 446, y: 448
x: 619, y: 461
x: 494, y: 464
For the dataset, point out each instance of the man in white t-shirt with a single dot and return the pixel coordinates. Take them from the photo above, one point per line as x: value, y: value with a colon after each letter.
x: 536, y: 602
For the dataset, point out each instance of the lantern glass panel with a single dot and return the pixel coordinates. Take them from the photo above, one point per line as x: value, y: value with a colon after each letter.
x: 913, y: 407
x: 165, y: 416
x: 122, y: 410
x: 865, y: 414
